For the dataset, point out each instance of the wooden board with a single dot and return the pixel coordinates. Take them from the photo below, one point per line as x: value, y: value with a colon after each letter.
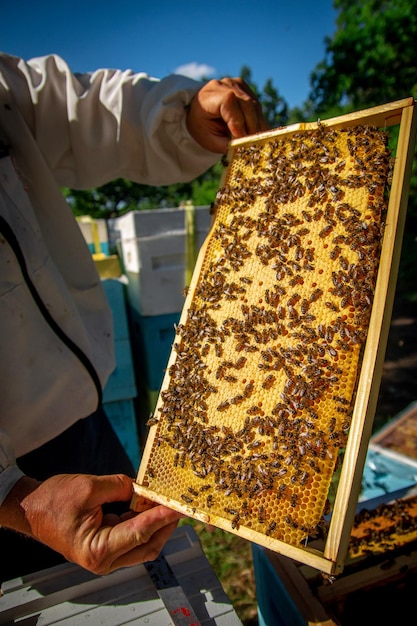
x: 253, y: 417
x: 399, y: 436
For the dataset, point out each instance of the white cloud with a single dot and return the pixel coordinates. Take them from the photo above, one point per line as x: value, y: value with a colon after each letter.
x: 195, y: 70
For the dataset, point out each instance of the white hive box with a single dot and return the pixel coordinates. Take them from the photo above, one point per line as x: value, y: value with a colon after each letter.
x: 156, y: 247
x: 69, y: 595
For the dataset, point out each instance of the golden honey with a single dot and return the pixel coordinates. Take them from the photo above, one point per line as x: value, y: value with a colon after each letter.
x: 255, y: 408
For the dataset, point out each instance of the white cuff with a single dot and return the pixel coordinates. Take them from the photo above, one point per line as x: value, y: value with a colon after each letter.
x: 8, y: 479
x: 10, y: 473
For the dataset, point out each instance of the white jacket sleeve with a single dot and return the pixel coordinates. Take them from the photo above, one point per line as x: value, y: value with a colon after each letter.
x: 95, y: 127
x: 9, y: 471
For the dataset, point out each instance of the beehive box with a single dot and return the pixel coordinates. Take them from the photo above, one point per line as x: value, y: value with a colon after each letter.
x: 399, y: 436
x: 389, y: 525
x: 95, y: 234
x: 157, y: 248
x: 377, y: 584
x: 152, y: 338
x: 386, y: 472
x: 120, y: 390
x: 121, y: 383
x: 267, y: 405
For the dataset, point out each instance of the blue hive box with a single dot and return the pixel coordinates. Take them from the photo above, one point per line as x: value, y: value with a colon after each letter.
x: 120, y: 390
x: 152, y: 339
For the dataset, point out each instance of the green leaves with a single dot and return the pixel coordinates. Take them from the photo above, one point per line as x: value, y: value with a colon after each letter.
x: 371, y: 57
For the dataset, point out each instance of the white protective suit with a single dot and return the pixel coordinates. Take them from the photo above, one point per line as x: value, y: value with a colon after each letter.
x: 79, y: 131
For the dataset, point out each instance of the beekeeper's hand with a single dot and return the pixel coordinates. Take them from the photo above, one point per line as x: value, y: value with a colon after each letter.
x: 224, y: 109
x: 65, y: 513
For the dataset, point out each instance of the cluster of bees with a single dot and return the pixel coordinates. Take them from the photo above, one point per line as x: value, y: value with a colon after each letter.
x: 255, y: 409
x: 389, y: 526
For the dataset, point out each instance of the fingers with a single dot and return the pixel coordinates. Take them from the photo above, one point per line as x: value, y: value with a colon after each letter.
x: 223, y: 109
x: 143, y: 504
x: 111, y: 488
x: 146, y: 524
x: 65, y: 513
x: 134, y: 540
x: 148, y: 551
x: 240, y: 109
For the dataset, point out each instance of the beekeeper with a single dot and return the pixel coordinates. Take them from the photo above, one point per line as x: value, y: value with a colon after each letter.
x: 65, y: 481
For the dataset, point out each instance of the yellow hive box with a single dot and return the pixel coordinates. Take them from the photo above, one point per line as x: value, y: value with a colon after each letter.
x: 107, y: 266
x: 273, y: 375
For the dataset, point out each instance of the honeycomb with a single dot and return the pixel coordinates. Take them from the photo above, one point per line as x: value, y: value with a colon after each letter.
x: 255, y: 408
x: 388, y: 527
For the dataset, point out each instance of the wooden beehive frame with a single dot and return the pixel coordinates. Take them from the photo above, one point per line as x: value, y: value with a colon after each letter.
x: 331, y: 559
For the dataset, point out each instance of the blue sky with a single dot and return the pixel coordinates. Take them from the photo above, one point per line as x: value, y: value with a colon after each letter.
x: 277, y: 39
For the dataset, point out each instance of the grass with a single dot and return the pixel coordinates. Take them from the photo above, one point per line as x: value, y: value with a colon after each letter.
x: 231, y: 560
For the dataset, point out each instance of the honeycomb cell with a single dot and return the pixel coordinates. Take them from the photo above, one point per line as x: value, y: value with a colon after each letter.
x: 255, y: 410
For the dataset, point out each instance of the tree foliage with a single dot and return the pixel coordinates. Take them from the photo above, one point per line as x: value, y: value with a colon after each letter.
x: 120, y: 196
x: 370, y: 60
x: 274, y: 107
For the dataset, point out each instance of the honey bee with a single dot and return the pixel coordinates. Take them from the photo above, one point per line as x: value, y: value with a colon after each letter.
x: 237, y: 399
x: 235, y: 522
x: 268, y: 382
x: 261, y: 515
x: 317, y: 293
x: 294, y: 500
x: 291, y: 522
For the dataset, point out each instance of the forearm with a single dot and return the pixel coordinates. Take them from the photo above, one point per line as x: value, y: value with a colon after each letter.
x: 95, y: 127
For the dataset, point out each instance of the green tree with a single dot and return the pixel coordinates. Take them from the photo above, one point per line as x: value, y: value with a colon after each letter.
x: 120, y: 196
x: 275, y: 108
x: 371, y: 59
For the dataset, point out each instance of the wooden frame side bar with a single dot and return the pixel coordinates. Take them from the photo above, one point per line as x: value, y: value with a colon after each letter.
x: 368, y: 386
